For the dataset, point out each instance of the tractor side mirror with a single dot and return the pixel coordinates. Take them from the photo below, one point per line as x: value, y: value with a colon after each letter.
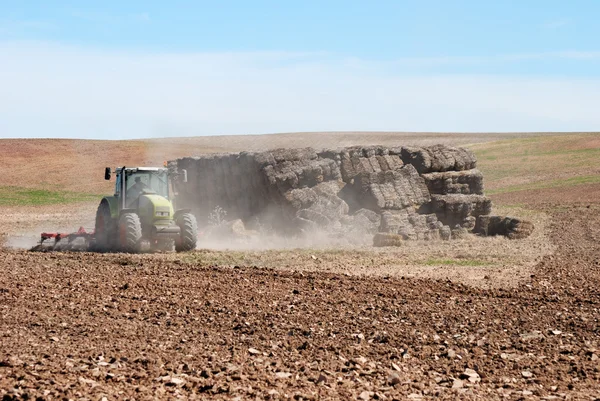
x: 107, y: 173
x: 184, y: 175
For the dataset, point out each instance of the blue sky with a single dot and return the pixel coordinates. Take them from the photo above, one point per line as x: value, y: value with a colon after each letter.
x: 115, y: 69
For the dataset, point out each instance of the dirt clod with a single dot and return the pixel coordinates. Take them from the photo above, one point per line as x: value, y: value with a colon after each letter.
x: 394, y: 379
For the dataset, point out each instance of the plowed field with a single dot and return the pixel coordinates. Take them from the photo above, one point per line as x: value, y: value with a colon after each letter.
x: 143, y: 326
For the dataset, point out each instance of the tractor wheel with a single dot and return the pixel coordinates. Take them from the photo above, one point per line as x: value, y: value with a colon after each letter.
x: 188, y: 234
x: 106, y: 230
x: 130, y: 233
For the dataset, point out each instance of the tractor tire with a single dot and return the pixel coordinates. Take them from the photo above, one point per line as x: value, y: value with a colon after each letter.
x: 188, y: 236
x: 105, y: 230
x: 130, y: 233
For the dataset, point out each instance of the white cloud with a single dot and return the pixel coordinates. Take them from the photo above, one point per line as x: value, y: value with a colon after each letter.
x: 50, y: 90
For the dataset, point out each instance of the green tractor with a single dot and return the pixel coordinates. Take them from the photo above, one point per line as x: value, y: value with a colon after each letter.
x: 140, y: 216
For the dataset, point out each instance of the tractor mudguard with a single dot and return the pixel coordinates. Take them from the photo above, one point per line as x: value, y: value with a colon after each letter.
x: 113, y: 205
x: 181, y: 211
x: 127, y: 211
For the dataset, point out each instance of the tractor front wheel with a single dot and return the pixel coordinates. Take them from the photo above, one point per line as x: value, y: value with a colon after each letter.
x: 130, y: 233
x: 188, y: 235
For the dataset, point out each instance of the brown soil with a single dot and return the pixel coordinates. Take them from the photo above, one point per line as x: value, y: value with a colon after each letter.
x: 158, y: 326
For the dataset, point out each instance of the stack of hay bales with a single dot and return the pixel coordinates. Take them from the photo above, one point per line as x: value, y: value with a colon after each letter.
x: 406, y: 193
x: 455, y: 185
x: 420, y: 193
x: 274, y: 186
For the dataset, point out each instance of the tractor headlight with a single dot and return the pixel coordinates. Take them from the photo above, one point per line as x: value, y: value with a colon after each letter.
x: 161, y: 214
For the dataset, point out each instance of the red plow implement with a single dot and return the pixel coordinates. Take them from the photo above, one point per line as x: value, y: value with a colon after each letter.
x: 81, y: 240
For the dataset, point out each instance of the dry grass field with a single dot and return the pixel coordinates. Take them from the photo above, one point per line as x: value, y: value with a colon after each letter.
x: 77, y: 166
x: 483, y: 318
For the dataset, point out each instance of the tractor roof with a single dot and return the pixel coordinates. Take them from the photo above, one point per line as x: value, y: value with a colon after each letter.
x: 134, y: 169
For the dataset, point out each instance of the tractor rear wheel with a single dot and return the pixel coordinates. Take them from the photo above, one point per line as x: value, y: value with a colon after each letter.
x: 188, y: 235
x: 105, y: 230
x: 130, y: 233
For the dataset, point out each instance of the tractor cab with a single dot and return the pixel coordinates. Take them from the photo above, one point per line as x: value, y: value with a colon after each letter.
x: 133, y: 182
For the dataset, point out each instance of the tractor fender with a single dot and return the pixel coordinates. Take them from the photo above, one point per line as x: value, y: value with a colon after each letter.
x: 123, y: 211
x: 180, y: 212
x: 113, y: 205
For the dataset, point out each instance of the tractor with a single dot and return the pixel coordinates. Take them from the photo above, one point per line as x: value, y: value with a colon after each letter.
x: 140, y: 215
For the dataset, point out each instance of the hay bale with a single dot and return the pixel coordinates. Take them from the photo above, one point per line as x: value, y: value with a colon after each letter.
x: 264, y: 159
x: 469, y: 223
x: 275, y: 156
x: 445, y: 233
x: 411, y: 225
x: 353, y: 164
x: 387, y: 239
x: 369, y: 215
x: 328, y: 202
x: 294, y: 154
x: 289, y: 175
x: 509, y: 227
x: 319, y: 204
x: 455, y: 182
x: 460, y: 233
x: 389, y: 162
x: 320, y: 219
x: 438, y: 158
x: 455, y: 209
x: 362, y: 221
x: 301, y: 198
x: 331, y: 154
x: 397, y: 222
x: 393, y: 189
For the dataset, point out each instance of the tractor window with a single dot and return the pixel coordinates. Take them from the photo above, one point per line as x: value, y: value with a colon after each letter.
x: 148, y: 182
x: 118, y: 185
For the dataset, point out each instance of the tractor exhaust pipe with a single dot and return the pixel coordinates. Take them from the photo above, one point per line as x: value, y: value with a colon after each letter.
x: 123, y: 186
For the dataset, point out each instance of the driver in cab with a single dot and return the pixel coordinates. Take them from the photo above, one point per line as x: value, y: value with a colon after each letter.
x: 136, y: 190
